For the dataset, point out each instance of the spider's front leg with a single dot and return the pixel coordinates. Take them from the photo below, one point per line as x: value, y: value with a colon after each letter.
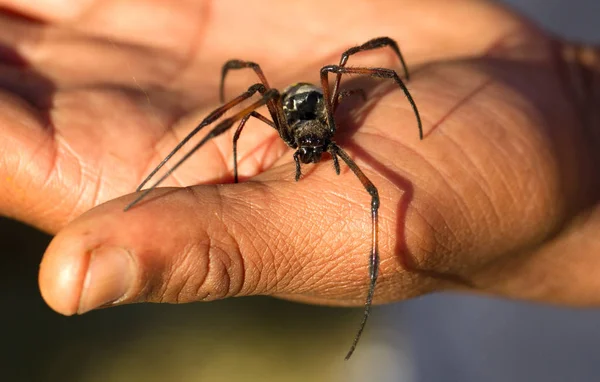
x: 239, y: 64
x: 273, y: 105
x: 213, y: 116
x: 335, y: 150
x: 298, y: 168
x: 373, y: 72
x: 269, y: 96
x: 379, y: 42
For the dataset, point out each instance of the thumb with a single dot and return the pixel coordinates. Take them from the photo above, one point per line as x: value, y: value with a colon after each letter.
x: 215, y: 241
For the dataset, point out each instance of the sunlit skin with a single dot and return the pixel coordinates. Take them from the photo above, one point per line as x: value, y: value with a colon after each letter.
x: 500, y: 197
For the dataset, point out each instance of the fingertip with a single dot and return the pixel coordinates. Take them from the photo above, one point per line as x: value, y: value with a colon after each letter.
x: 88, y: 264
x: 61, y: 277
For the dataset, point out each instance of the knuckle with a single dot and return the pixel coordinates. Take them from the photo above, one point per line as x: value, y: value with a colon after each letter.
x: 221, y: 278
x: 205, y: 271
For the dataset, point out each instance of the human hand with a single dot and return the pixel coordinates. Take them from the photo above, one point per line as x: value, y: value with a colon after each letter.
x: 499, y: 197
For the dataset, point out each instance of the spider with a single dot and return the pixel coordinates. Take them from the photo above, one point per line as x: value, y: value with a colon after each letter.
x: 303, y: 115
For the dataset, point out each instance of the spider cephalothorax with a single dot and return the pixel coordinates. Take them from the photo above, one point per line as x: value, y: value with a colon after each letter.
x: 304, y: 109
x: 303, y: 115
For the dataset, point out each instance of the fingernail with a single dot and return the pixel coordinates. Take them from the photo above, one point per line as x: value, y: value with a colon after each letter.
x: 110, y: 275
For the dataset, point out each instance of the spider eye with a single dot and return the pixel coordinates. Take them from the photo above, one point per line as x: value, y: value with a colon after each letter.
x: 311, y: 142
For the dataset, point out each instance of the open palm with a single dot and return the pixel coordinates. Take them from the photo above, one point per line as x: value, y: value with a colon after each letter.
x: 94, y: 98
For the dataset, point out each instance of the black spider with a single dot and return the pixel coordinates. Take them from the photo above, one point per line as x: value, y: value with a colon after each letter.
x: 303, y: 115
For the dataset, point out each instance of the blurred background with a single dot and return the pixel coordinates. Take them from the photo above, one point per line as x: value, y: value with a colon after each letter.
x: 435, y: 338
x: 573, y: 19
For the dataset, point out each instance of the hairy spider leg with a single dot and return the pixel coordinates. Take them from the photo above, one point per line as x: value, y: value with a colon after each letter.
x: 240, y: 64
x: 223, y: 126
x: 335, y: 151
x: 214, y: 115
x: 274, y: 106
x: 236, y: 136
x: 373, y: 72
x: 379, y: 42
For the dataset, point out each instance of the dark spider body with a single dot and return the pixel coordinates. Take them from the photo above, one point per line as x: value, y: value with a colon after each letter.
x: 303, y: 115
x: 304, y: 109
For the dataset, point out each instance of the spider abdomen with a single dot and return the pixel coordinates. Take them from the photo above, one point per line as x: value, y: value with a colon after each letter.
x: 303, y: 102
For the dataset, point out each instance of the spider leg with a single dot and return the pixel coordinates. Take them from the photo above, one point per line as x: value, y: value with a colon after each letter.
x: 216, y: 114
x: 375, y: 43
x: 236, y: 136
x: 335, y: 150
x: 222, y: 127
x: 274, y: 106
x: 373, y: 72
x: 297, y: 161
x: 239, y: 64
x: 336, y: 162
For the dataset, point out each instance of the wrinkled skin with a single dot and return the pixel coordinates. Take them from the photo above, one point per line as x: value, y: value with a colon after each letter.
x: 500, y: 196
